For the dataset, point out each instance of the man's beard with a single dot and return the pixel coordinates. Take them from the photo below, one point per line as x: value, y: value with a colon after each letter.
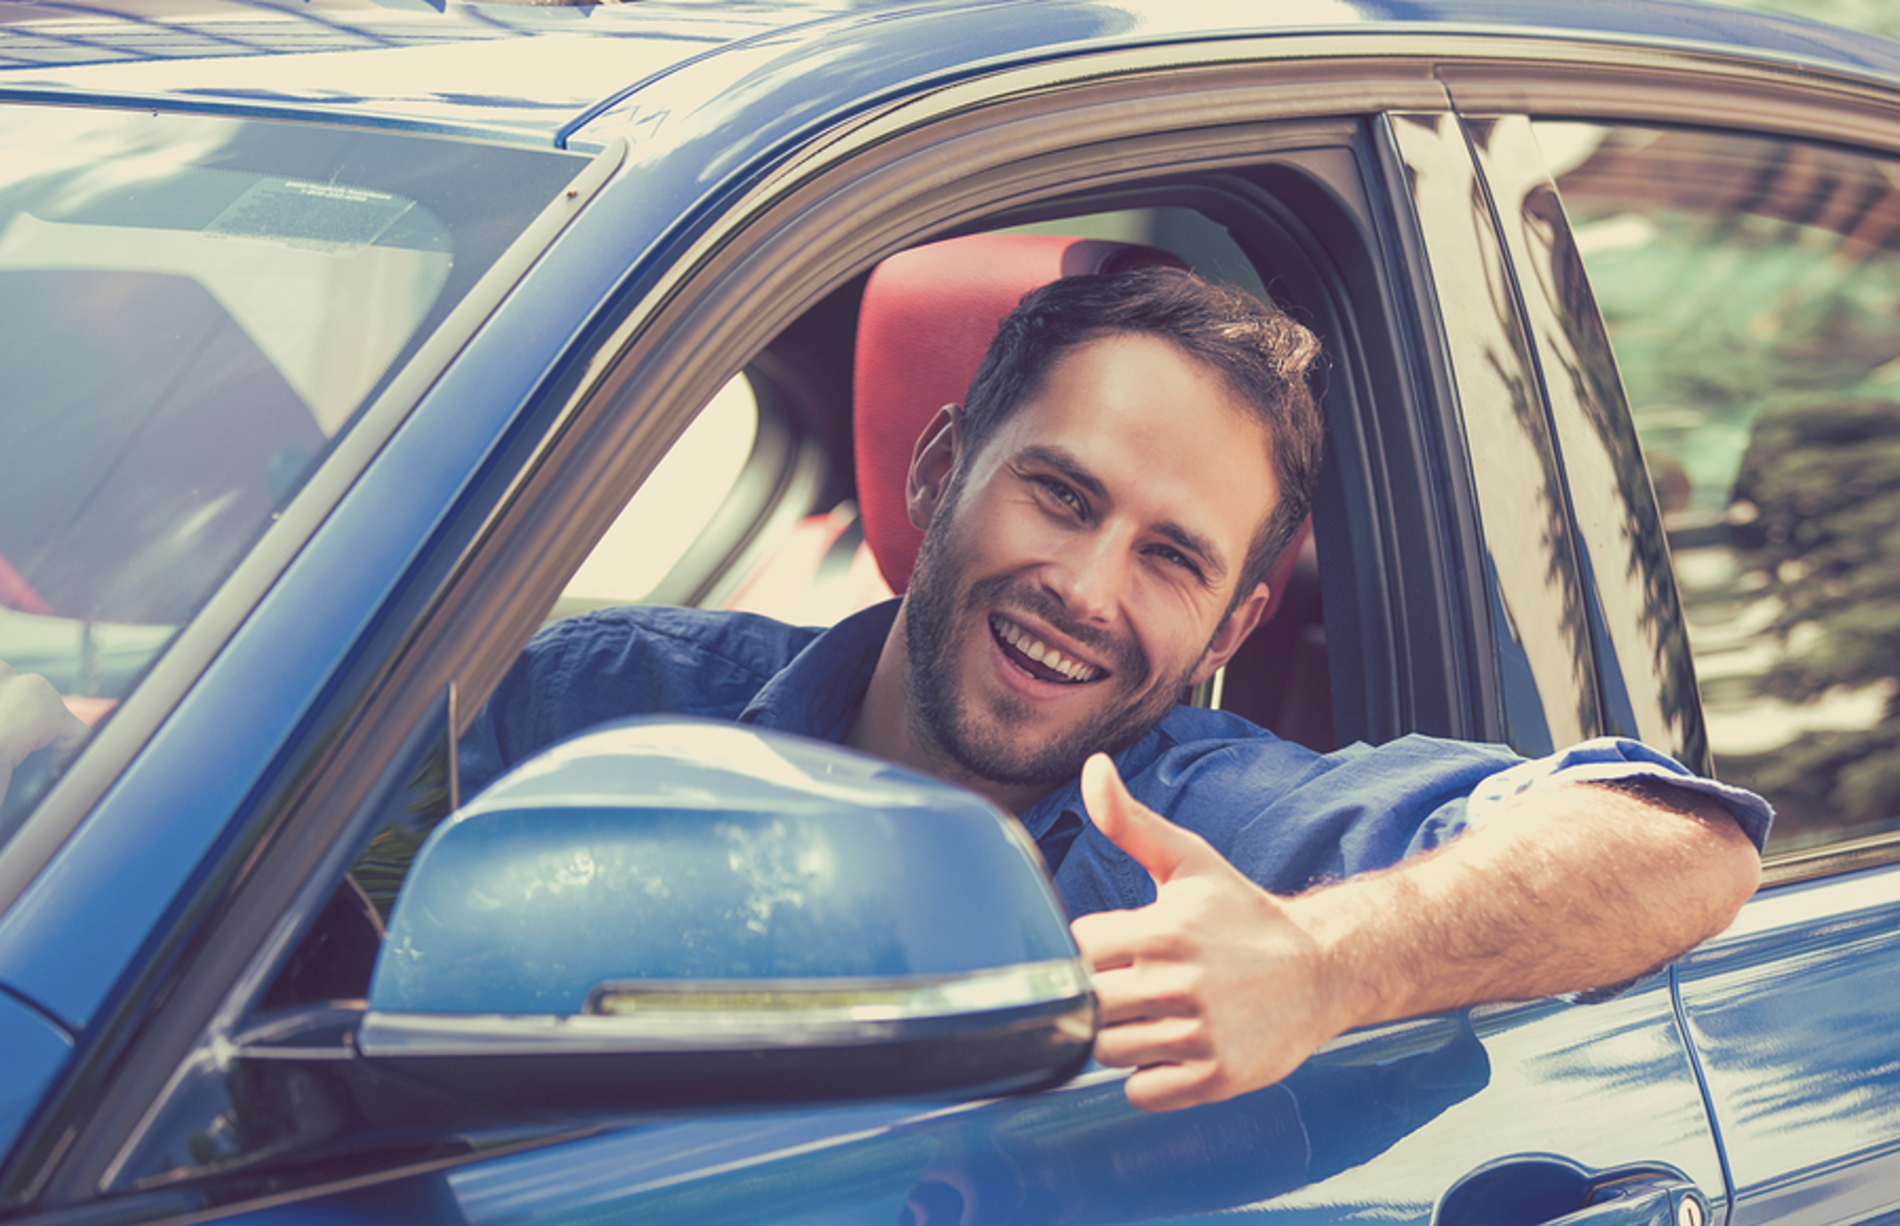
x: 988, y: 745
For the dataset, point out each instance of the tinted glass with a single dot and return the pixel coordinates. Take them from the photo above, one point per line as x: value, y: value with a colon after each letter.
x: 193, y: 310
x: 1752, y: 288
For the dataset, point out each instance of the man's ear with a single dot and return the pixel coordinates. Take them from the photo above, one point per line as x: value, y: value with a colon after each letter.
x: 1232, y: 633
x: 931, y: 464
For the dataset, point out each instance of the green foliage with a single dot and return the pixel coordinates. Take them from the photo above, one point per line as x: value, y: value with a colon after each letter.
x: 1762, y: 353
x: 1873, y: 16
x: 1820, y: 488
x: 415, y: 811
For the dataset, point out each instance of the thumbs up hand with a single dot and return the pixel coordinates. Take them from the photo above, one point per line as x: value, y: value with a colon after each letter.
x: 1211, y: 990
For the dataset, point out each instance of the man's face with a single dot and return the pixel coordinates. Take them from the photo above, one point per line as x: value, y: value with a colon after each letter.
x: 1082, y: 572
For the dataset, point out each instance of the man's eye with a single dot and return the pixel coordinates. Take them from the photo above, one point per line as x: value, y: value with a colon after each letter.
x: 1174, y: 557
x: 1062, y: 493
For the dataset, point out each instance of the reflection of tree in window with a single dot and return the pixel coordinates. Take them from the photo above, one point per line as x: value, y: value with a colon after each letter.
x: 1751, y: 289
x: 1816, y: 523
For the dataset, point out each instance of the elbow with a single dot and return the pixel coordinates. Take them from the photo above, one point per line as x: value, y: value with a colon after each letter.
x: 1732, y: 872
x: 1716, y: 864
x: 1744, y: 876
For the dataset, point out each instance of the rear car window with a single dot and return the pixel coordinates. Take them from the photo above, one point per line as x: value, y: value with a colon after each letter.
x: 1750, y: 287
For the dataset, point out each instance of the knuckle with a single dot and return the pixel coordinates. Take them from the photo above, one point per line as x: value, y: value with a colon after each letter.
x: 1166, y: 944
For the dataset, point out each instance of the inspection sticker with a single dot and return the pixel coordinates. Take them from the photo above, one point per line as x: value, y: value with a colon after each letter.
x: 318, y: 216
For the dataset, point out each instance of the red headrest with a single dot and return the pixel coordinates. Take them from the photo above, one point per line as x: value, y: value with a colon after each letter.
x: 928, y: 316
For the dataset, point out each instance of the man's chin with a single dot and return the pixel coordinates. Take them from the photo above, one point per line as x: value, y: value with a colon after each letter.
x: 1008, y: 746
x: 981, y: 730
x: 1050, y: 768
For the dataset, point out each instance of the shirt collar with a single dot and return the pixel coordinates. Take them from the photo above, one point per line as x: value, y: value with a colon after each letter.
x: 818, y: 694
x: 1045, y: 816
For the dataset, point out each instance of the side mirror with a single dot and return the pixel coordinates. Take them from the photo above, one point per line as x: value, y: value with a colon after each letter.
x: 674, y: 912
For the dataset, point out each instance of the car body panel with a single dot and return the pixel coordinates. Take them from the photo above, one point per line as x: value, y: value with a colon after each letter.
x: 1791, y: 1011
x: 1530, y: 558
x: 1350, y: 1133
x: 1379, y: 1123
x: 37, y: 1052
x: 1635, y: 627
x: 455, y: 66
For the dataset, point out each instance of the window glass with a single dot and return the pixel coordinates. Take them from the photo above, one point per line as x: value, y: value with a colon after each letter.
x: 672, y: 506
x: 1751, y: 288
x: 192, y: 311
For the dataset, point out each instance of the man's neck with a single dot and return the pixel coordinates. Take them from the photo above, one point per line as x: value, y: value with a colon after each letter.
x: 884, y: 729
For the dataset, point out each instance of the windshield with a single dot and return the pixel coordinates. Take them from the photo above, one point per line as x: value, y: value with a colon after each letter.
x: 193, y: 310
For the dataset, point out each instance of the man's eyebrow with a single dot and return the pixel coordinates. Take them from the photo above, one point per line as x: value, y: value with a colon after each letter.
x: 1193, y: 542
x: 1063, y: 461
x: 1189, y: 541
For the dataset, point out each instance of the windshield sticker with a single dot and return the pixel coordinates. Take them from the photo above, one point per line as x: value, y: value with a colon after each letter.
x: 316, y: 216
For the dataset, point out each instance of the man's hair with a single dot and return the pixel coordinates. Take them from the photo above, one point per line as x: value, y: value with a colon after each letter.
x: 1265, y: 357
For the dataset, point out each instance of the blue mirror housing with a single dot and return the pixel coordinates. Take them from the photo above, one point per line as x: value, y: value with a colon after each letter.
x: 661, y: 909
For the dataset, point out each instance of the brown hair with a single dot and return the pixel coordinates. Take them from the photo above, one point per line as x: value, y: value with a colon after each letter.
x: 1265, y: 357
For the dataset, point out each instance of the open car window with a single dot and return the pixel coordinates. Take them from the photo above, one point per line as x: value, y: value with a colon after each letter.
x: 751, y: 508
x: 653, y: 538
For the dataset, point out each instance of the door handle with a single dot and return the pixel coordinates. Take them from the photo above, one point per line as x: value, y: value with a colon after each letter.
x: 1546, y: 1191
x: 1642, y: 1200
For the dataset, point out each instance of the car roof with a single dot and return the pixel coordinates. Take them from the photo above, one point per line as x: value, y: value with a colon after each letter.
x: 537, y: 74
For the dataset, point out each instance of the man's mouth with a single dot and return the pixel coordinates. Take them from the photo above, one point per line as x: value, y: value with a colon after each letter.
x: 1037, y: 658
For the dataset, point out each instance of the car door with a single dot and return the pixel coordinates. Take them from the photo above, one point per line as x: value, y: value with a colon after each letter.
x: 1742, y: 253
x: 1358, y: 198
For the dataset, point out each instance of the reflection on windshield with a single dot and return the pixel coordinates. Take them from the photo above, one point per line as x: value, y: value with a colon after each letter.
x: 192, y: 311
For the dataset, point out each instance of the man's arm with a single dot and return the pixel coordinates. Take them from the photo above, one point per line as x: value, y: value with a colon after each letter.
x: 1218, y: 987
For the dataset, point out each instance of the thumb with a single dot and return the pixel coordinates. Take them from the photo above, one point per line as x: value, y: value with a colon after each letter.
x: 1154, y: 842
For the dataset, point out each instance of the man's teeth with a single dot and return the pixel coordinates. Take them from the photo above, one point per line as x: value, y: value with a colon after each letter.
x: 1043, y: 654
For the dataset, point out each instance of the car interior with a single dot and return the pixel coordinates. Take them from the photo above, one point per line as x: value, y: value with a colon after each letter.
x: 786, y: 498
x: 812, y: 524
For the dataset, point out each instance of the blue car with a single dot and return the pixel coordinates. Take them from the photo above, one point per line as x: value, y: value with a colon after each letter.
x: 344, y: 345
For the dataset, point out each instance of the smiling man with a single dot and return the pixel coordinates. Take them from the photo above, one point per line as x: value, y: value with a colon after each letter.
x: 1081, y: 570
x: 1098, y: 517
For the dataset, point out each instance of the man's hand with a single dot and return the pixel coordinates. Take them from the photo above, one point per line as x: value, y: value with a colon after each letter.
x: 1209, y: 991
x: 1218, y: 987
x: 32, y: 717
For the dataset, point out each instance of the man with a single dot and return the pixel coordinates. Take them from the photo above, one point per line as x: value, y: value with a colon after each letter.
x: 1098, y: 518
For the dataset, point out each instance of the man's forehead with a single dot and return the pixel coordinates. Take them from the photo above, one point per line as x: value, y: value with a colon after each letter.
x: 1191, y: 399
x: 1129, y: 414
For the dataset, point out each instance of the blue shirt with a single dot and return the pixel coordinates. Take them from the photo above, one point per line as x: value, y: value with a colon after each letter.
x: 1286, y: 816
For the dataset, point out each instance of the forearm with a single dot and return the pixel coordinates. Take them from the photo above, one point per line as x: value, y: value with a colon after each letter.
x: 1218, y: 987
x: 1563, y: 889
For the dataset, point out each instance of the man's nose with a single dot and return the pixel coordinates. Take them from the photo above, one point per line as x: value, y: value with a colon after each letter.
x: 1088, y: 575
